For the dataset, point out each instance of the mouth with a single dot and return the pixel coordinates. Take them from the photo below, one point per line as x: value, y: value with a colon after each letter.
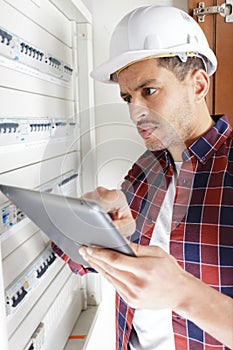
x: 146, y: 130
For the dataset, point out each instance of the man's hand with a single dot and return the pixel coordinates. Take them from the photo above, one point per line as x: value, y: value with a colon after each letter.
x: 115, y: 204
x: 154, y: 280
x: 151, y: 280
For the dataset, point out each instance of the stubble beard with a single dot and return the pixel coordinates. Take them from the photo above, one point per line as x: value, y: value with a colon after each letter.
x: 170, y: 138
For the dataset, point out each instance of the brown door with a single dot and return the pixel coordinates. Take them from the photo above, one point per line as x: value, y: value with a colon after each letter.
x: 219, y: 32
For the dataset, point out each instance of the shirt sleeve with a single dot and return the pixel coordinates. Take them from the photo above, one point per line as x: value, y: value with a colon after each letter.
x: 75, y: 267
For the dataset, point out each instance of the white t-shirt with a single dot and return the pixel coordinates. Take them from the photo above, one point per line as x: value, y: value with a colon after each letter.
x: 152, y: 329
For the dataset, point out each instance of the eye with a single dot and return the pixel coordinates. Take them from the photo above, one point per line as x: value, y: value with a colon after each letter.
x: 127, y: 99
x: 149, y: 91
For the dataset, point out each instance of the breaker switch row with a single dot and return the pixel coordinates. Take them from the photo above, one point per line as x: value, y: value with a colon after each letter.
x: 19, y: 290
x: 54, y: 62
x: 31, y: 52
x: 16, y: 299
x: 8, y: 127
x: 44, y: 65
x: 40, y: 127
x: 44, y: 267
x: 60, y: 123
x: 10, y: 215
x: 6, y: 37
x: 68, y: 70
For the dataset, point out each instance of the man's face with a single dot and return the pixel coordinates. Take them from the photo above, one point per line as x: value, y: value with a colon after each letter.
x: 160, y: 105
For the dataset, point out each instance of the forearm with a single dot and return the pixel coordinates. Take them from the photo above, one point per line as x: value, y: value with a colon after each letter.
x: 208, y: 309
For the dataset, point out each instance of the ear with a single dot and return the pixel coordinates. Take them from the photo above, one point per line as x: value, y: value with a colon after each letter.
x: 201, y: 83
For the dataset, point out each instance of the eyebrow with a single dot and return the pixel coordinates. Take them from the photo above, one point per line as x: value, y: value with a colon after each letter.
x: 141, y: 86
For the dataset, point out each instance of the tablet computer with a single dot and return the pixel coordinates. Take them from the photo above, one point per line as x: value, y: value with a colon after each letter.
x: 69, y: 222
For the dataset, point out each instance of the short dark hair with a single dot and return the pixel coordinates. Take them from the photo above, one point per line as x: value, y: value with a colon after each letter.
x: 181, y: 69
x: 174, y: 64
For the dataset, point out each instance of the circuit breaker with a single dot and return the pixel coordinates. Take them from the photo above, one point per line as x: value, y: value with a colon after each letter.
x: 40, y: 148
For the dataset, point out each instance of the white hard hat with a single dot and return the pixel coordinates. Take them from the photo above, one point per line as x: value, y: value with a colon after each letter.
x: 160, y: 31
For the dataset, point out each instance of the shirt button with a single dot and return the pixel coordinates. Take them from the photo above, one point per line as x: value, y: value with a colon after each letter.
x: 184, y: 181
x: 203, y: 159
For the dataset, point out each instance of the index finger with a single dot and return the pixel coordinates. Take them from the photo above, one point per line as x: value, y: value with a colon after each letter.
x: 104, y: 257
x: 109, y: 200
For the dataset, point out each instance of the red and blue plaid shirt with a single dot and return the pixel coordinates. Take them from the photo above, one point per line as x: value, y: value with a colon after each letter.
x: 202, y: 222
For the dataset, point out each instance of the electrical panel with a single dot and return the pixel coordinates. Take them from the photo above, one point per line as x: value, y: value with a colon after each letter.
x: 41, y: 148
x: 20, y: 55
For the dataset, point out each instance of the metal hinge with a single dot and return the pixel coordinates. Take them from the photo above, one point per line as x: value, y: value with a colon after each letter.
x: 225, y: 10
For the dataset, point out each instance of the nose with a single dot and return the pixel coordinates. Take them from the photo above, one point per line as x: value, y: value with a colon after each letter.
x: 137, y: 112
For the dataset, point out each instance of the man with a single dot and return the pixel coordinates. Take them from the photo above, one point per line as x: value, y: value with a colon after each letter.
x: 177, y: 293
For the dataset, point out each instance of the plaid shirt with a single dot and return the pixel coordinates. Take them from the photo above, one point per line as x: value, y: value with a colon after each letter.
x: 202, y: 222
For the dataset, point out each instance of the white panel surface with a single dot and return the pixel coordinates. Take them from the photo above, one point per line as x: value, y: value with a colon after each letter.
x: 62, y: 315
x: 55, y: 23
x: 86, y: 113
x: 37, y: 174
x: 23, y: 26
x: 74, y: 10
x: 21, y: 104
x: 3, y: 328
x: 82, y: 332
x: 15, y: 263
x: 20, y: 81
x: 16, y: 236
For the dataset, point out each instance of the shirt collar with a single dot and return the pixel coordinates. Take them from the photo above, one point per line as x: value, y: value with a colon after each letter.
x: 211, y: 141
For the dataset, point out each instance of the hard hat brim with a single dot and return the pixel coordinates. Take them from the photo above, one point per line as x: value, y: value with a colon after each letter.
x: 104, y: 71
